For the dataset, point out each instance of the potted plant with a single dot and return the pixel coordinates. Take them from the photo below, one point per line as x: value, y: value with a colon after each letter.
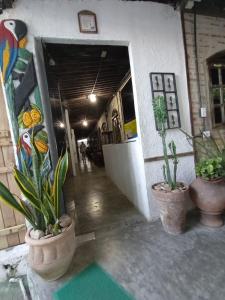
x: 51, y: 238
x: 208, y: 189
x: 172, y: 196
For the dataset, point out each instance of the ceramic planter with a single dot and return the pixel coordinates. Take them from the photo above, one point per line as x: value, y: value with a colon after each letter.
x: 51, y: 257
x: 209, y: 197
x: 173, y: 208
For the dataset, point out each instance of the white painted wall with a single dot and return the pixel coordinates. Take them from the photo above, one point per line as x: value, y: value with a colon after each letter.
x: 125, y: 166
x: 154, y: 35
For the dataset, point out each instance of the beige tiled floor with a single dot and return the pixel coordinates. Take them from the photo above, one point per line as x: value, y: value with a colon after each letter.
x: 98, y: 201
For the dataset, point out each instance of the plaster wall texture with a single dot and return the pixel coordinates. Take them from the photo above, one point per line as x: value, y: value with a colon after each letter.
x: 125, y: 167
x: 152, y: 32
x: 210, y: 40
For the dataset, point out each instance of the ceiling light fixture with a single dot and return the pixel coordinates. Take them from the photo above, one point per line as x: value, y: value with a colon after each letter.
x: 61, y: 125
x: 85, y: 123
x: 92, y: 97
x: 103, y: 53
x: 51, y: 62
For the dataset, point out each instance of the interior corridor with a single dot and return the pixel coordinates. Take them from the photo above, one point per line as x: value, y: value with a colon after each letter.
x: 98, y: 202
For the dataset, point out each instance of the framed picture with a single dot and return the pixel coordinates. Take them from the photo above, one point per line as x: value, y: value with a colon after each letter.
x: 164, y: 85
x: 158, y: 94
x: 157, y: 82
x: 171, y: 101
x: 169, y: 82
x: 173, y: 119
x: 87, y: 22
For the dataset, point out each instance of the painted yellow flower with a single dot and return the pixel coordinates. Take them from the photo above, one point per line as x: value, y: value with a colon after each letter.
x: 27, y: 119
x: 36, y: 116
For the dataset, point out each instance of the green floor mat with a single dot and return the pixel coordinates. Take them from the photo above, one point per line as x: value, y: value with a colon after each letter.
x: 92, y: 284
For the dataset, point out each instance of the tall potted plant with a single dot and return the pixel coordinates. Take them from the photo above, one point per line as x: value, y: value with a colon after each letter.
x: 51, y: 238
x: 208, y: 189
x: 172, y: 196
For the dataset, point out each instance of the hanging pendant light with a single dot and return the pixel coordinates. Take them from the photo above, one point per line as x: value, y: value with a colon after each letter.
x: 85, y: 123
x: 61, y: 125
x: 92, y: 97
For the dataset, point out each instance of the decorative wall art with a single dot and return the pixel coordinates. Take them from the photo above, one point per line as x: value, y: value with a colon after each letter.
x: 87, y: 22
x: 164, y: 84
x: 21, y: 89
x: 116, y: 130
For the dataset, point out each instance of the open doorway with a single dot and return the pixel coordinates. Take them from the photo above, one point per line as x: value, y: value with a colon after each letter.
x: 93, y: 84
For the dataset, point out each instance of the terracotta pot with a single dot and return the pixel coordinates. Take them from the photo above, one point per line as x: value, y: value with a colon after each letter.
x: 173, y: 208
x: 209, y: 196
x: 51, y: 257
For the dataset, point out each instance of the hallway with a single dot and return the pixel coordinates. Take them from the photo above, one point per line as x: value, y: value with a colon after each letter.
x: 98, y: 202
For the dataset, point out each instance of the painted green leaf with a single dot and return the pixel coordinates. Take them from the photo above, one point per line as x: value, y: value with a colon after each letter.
x: 20, y: 66
x: 24, y: 54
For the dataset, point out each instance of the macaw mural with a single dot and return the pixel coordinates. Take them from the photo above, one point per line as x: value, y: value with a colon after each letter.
x: 21, y: 89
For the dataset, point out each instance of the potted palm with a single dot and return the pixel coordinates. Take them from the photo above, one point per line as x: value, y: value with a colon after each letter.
x: 51, y: 237
x: 208, y: 189
x: 171, y: 195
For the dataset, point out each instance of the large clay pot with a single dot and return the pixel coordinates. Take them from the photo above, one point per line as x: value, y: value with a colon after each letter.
x: 209, y: 196
x: 173, y: 208
x: 51, y: 257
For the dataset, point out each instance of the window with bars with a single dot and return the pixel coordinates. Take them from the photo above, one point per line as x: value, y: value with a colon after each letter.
x: 217, y: 93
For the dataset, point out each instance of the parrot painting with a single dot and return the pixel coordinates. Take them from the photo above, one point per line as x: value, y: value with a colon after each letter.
x: 24, y: 150
x: 18, y: 73
x: 12, y: 37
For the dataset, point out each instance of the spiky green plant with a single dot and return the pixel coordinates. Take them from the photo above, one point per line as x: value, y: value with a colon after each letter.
x: 42, y: 207
x: 160, y: 112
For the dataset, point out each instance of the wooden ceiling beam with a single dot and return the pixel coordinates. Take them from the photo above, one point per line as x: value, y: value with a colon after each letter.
x: 88, y: 77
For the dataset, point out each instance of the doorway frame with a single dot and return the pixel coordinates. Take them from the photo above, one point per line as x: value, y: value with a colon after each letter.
x: 91, y: 42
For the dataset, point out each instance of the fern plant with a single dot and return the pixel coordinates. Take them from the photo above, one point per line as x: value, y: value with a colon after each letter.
x: 160, y: 112
x: 42, y: 207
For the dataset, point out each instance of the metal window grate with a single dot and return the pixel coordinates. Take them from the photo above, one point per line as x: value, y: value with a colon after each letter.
x: 217, y: 93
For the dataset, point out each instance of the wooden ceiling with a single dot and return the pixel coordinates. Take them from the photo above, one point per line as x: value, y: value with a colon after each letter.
x: 79, y: 70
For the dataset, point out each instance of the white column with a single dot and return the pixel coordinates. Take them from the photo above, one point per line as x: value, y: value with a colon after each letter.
x: 68, y: 130
x: 74, y: 145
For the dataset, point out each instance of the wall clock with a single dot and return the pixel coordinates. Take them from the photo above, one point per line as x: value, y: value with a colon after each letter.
x: 87, y: 22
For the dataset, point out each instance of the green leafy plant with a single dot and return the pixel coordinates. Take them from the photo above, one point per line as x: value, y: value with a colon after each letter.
x: 159, y: 108
x: 212, y: 153
x: 212, y: 168
x: 42, y: 207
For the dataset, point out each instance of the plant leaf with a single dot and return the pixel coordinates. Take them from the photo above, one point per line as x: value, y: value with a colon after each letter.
x: 9, y: 199
x: 59, y: 179
x: 27, y: 188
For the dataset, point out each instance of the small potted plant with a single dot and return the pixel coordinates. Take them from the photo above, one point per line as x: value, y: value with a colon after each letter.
x: 172, y: 196
x: 208, y: 189
x: 51, y: 238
